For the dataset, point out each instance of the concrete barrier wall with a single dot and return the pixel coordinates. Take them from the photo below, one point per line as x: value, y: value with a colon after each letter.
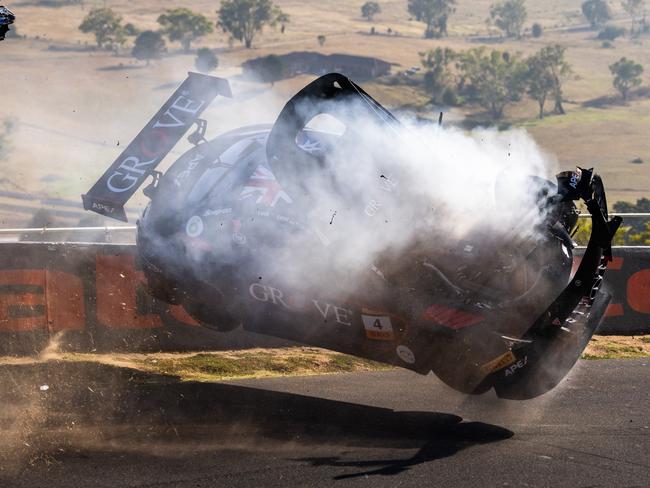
x: 91, y: 297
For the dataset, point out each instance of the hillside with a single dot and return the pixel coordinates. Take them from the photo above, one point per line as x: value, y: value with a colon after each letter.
x: 72, y: 106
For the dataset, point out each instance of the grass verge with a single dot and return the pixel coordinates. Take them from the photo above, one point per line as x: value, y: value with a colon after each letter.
x: 299, y: 361
x: 294, y: 361
x: 224, y: 365
x: 618, y: 347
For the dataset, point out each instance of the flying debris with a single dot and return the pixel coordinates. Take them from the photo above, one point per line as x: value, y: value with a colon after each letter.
x: 240, y: 230
x: 6, y: 19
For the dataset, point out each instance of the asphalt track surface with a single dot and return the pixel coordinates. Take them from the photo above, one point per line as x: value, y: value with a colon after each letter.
x: 102, y: 426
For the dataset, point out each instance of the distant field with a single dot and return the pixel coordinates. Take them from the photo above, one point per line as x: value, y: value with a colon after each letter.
x: 72, y: 108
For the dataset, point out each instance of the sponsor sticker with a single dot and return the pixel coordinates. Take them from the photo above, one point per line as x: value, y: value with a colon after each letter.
x: 405, y: 354
x: 499, y: 363
x: 576, y: 176
x: 194, y: 227
x: 191, y: 166
x: 518, y: 365
x: 218, y: 211
x: 377, y: 324
x: 450, y: 317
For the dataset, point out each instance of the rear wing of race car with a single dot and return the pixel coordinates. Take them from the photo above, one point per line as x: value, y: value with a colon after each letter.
x: 118, y: 184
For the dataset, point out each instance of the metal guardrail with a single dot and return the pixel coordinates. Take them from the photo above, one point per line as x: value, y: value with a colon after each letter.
x: 131, y: 228
x: 123, y: 234
x: 640, y: 215
x: 54, y: 230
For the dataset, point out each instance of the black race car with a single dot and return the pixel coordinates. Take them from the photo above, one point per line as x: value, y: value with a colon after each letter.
x: 6, y: 19
x: 235, y: 233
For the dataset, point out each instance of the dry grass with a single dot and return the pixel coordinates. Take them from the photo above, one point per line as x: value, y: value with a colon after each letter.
x: 294, y: 361
x: 223, y: 365
x: 617, y: 347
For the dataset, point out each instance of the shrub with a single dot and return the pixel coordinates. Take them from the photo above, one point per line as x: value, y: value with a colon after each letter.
x: 537, y: 30
x: 449, y: 96
x: 206, y: 60
x: 610, y: 33
x: 269, y: 69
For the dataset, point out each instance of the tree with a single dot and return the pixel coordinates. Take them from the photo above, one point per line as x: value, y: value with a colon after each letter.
x: 106, y: 25
x: 495, y: 78
x: 540, y: 80
x: 536, y: 30
x: 321, y: 40
x: 550, y: 60
x: 243, y: 19
x: 434, y: 13
x: 509, y: 16
x: 627, y: 75
x: 642, y: 205
x: 596, y: 12
x: 206, y: 60
x: 149, y: 45
x: 131, y: 30
x: 438, y: 78
x: 181, y: 24
x: 635, y: 9
x: 369, y: 10
x: 633, y: 232
x: 269, y: 69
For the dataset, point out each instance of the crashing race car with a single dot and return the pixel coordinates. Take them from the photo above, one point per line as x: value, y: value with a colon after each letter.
x: 230, y: 234
x: 6, y: 19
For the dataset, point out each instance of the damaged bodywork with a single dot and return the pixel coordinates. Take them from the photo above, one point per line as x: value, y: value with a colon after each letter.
x: 229, y: 220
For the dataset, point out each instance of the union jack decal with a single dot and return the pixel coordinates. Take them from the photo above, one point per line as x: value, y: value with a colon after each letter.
x: 263, y: 186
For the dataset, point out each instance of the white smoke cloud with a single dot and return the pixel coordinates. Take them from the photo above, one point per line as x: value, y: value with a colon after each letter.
x: 387, y: 190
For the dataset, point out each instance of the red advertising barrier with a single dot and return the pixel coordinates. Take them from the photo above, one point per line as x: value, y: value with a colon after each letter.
x: 96, y: 294
x: 628, y: 280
